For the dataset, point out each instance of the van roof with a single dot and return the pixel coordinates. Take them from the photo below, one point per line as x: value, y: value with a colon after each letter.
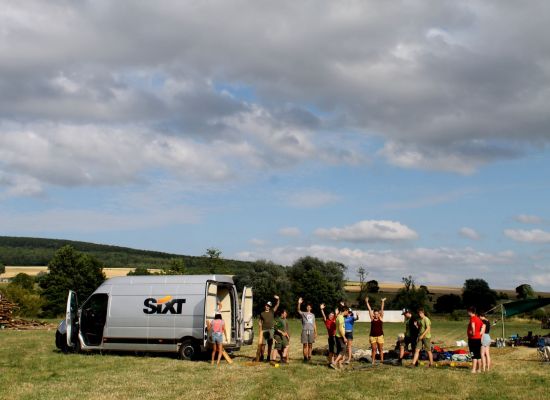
x: 167, y: 279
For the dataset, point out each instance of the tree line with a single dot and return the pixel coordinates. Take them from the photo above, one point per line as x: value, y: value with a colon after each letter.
x: 314, y: 280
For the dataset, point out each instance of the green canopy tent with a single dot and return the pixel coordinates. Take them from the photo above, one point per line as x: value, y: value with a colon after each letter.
x: 519, y: 307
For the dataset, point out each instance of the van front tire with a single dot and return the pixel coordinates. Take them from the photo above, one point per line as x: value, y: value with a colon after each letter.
x: 189, y: 350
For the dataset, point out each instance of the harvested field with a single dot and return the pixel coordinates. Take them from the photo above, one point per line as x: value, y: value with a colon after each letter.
x: 33, y: 271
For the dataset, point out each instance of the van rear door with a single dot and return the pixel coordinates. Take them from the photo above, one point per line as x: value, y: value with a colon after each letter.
x: 71, y: 319
x: 210, y: 306
x: 246, y: 321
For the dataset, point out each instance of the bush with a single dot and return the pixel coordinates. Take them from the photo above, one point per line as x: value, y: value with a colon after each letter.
x: 29, y: 303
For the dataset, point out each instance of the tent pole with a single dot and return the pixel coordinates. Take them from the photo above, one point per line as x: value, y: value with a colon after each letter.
x: 502, y: 314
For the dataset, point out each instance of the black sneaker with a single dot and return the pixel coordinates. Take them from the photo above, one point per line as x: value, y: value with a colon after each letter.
x: 268, y: 359
x: 305, y: 359
x: 262, y: 357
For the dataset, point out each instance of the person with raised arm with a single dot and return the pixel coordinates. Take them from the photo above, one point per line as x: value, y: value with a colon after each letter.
x: 376, y: 336
x: 265, y: 322
x: 349, y: 323
x: 340, y: 337
x: 309, y: 329
x: 330, y: 323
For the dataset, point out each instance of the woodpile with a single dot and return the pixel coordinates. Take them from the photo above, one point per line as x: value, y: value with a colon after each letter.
x: 7, y: 319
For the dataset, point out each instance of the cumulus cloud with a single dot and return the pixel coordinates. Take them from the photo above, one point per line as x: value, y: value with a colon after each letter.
x: 257, y: 242
x: 529, y: 219
x: 444, y: 89
x: 528, y: 236
x: 469, y: 233
x: 428, y: 265
x: 290, y: 231
x: 369, y: 231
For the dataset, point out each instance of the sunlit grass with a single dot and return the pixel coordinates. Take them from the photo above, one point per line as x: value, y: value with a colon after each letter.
x: 31, y: 368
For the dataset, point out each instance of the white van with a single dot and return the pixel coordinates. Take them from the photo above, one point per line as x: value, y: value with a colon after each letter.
x: 166, y: 313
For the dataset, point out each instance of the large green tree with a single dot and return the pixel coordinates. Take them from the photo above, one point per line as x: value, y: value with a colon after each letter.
x: 477, y: 293
x: 411, y: 297
x: 318, y: 281
x: 2, y: 268
x: 525, y: 291
x: 69, y: 270
x: 266, y: 279
x: 447, y: 303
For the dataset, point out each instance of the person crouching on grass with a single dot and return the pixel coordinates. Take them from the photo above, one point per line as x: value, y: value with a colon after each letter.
x: 330, y: 323
x: 217, y: 333
x: 349, y: 321
x: 376, y: 330
x: 309, y: 329
x: 424, y: 338
x: 476, y: 329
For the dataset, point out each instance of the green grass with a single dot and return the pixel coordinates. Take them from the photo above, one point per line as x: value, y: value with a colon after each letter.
x: 31, y: 368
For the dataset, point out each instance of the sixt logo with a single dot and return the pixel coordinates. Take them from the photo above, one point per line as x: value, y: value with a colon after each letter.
x: 164, y: 305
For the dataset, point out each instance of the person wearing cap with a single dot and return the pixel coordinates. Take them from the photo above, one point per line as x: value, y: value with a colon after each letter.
x: 309, y: 329
x: 411, y: 335
x: 266, y: 322
x: 349, y: 322
x: 376, y: 336
x: 424, y: 338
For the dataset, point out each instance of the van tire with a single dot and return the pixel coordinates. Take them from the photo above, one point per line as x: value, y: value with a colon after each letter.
x: 61, y: 342
x: 189, y: 350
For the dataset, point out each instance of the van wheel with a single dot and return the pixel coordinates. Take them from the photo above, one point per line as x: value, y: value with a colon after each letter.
x: 61, y: 342
x: 189, y: 350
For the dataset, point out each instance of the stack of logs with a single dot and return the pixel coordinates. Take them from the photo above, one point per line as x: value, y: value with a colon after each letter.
x: 7, y: 319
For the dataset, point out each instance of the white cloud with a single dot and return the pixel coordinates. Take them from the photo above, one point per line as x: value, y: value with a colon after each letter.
x: 78, y: 220
x: 428, y: 265
x: 469, y: 233
x: 528, y: 236
x: 369, y: 231
x: 257, y: 242
x: 435, y: 87
x: 290, y: 231
x: 529, y: 219
x: 310, y: 198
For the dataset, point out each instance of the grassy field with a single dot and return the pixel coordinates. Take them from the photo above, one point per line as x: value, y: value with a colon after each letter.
x: 31, y: 368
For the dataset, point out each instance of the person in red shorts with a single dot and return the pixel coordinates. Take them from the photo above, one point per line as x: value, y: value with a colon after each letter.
x: 330, y: 323
x: 476, y: 329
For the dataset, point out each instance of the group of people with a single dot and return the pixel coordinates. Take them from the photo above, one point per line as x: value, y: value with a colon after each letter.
x: 274, y: 332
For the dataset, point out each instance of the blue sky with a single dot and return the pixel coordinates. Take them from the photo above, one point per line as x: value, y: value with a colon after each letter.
x: 284, y: 131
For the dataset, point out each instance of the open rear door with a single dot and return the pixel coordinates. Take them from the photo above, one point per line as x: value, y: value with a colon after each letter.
x: 210, y: 306
x: 71, y: 319
x: 247, y: 323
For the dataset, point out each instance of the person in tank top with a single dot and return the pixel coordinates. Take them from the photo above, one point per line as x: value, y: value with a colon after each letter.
x: 485, y: 343
x: 376, y: 336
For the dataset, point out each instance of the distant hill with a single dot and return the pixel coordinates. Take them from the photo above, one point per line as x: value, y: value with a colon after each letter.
x: 28, y: 251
